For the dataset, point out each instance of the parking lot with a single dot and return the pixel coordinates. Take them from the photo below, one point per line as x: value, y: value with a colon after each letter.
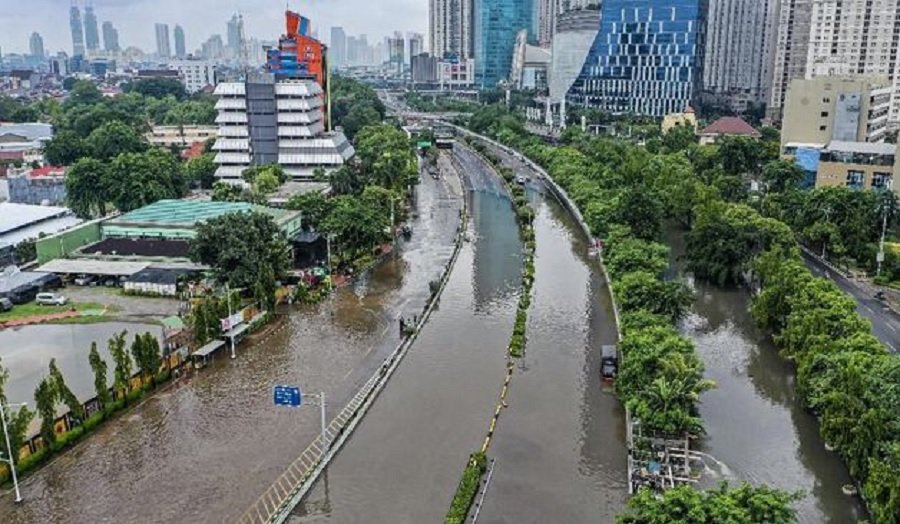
x: 128, y: 307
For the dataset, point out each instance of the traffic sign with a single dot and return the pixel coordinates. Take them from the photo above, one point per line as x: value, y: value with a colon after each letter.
x: 287, y: 396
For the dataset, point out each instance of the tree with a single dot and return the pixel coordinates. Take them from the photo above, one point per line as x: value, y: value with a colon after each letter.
x: 643, y: 291
x: 45, y: 403
x: 225, y: 192
x: 201, y: 170
x: 99, y: 367
x: 313, y: 206
x: 113, y: 139
x: 745, y: 504
x: 64, y: 148
x: 84, y: 92
x: 386, y: 157
x: 122, y: 373
x: 139, y: 179
x: 26, y: 251
x: 76, y: 410
x: 265, y: 184
x: 782, y: 175
x: 356, y: 227
x: 240, y: 246
x: 87, y: 191
x: 145, y: 351
x: 17, y: 421
x: 882, y: 488
x: 157, y: 88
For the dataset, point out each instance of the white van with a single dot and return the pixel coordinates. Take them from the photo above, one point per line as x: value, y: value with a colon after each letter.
x: 50, y: 299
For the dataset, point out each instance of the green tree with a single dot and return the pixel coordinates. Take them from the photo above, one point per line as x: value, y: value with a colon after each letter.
x: 45, y: 403
x: 265, y: 184
x: 17, y: 421
x: 882, y: 488
x: 84, y: 92
x: 86, y: 188
x: 139, y: 179
x: 201, y: 170
x: 241, y: 246
x: 64, y: 148
x: 225, y: 192
x: 123, y: 366
x: 113, y: 139
x: 99, y: 367
x: 386, y: 156
x: 26, y: 251
x: 356, y: 227
x: 313, y: 206
x: 685, y: 505
x: 643, y: 291
x: 782, y: 175
x: 76, y: 410
x: 157, y: 88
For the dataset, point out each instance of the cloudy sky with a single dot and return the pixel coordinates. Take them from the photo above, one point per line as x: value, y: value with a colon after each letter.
x: 200, y: 18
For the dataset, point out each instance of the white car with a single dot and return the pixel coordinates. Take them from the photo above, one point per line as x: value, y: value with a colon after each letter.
x: 521, y: 179
x: 50, y: 299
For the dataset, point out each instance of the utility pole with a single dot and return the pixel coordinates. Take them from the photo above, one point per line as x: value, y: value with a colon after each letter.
x: 11, y: 460
x: 230, y: 327
x: 879, y: 258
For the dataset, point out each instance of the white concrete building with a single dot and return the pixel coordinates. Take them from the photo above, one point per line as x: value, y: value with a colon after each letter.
x: 195, y: 74
x: 450, y: 28
x: 262, y: 121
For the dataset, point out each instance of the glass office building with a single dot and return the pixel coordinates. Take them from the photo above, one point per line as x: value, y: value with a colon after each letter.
x: 496, y: 25
x: 645, y: 59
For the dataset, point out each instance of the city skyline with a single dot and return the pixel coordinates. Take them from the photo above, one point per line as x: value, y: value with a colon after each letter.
x: 135, y: 20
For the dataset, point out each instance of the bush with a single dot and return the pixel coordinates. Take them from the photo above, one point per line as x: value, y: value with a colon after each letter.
x: 114, y: 406
x: 467, y: 489
x: 93, y: 421
x: 32, y: 461
x: 135, y: 394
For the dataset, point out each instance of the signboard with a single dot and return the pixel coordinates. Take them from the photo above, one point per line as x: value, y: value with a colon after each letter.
x: 228, y: 323
x: 287, y: 396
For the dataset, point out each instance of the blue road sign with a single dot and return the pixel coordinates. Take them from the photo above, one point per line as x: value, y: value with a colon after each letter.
x: 287, y: 396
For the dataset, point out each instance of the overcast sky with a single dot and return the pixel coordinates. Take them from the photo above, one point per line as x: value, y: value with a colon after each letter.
x: 263, y: 19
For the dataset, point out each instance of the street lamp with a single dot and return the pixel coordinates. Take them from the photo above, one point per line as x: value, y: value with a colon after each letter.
x: 230, y: 327
x: 11, y: 459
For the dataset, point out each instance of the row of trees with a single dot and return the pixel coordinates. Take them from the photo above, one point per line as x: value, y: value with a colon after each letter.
x: 52, y: 391
x: 625, y: 193
x: 354, y: 105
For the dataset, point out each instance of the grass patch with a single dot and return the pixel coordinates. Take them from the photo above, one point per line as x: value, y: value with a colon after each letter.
x: 32, y: 309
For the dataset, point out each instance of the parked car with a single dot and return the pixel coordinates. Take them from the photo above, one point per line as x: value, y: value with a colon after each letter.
x: 609, y: 362
x: 83, y: 280
x: 521, y: 180
x: 50, y: 299
x: 5, y: 304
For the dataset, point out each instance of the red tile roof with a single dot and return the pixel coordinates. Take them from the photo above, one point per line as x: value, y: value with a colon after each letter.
x: 731, y: 125
x: 48, y: 170
x: 194, y: 151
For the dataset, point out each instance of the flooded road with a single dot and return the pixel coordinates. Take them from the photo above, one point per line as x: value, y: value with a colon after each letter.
x: 757, y: 428
x: 403, y: 463
x: 560, y: 445
x: 26, y: 351
x: 204, y: 450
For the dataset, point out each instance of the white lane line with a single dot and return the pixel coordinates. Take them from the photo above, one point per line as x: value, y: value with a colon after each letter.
x: 889, y: 326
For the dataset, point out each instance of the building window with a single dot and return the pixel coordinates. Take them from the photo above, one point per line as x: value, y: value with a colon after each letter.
x: 824, y: 114
x: 855, y: 179
x: 823, y: 128
x: 881, y: 180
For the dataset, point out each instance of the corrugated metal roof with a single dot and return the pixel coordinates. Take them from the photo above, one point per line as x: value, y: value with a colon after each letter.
x: 869, y: 148
x: 92, y: 267
x: 187, y: 212
x: 31, y: 131
x: 15, y: 216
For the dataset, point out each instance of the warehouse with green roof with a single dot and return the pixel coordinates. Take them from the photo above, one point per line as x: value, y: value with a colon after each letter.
x: 177, y: 219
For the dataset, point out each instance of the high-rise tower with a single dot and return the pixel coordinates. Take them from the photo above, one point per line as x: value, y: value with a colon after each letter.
x: 110, y: 38
x: 179, y: 42
x: 497, y: 22
x: 36, y: 45
x: 163, y: 47
x: 77, y: 31
x: 450, y: 28
x: 91, y: 35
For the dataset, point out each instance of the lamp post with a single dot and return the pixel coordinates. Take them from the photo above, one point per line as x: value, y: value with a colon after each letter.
x: 11, y: 459
x: 230, y: 327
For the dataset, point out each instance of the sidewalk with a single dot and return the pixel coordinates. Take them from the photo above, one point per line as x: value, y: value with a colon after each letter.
x: 862, y: 283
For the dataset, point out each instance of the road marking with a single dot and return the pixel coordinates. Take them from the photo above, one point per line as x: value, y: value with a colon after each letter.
x: 892, y: 328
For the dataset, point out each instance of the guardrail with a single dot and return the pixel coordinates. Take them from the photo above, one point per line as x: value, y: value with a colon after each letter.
x: 289, y: 489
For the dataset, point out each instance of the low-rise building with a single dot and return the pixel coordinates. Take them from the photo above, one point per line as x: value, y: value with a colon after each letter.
x: 39, y: 186
x: 858, y: 165
x: 727, y: 126
x: 24, y: 141
x: 181, y: 136
x: 685, y: 118
x: 19, y: 222
x: 195, y: 74
x: 847, y: 109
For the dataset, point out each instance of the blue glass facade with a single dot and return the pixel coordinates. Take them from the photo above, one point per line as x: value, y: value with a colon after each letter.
x: 496, y: 25
x: 645, y: 59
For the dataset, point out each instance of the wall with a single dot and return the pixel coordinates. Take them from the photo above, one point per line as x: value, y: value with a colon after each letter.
x: 62, y: 244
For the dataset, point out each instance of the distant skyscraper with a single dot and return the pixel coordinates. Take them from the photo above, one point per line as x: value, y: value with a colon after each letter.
x: 496, y: 24
x: 338, y: 51
x: 77, y: 31
x: 36, y: 45
x: 416, y: 44
x: 179, y: 42
x: 110, y: 38
x: 213, y: 48
x: 450, y: 28
x: 235, y: 35
x: 547, y: 11
x: 163, y: 48
x: 737, y: 66
x: 395, y: 47
x: 91, y: 35
x: 625, y: 72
